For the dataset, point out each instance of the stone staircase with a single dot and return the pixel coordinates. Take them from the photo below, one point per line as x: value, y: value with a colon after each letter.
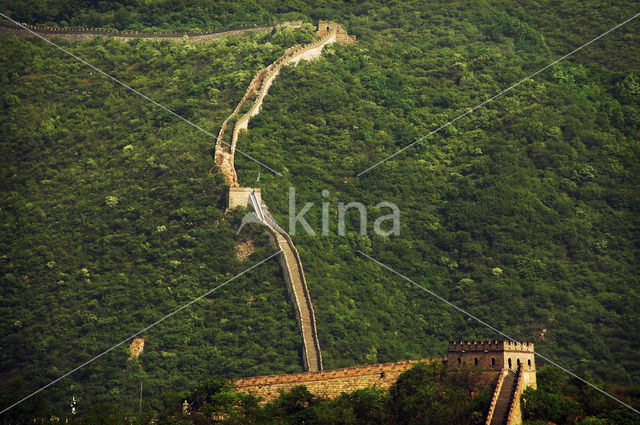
x: 254, y: 95
x: 299, y: 293
x: 505, y: 398
x: 225, y: 160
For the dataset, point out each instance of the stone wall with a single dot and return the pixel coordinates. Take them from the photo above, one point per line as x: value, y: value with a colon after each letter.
x: 515, y: 413
x: 494, y: 397
x: 259, y: 86
x: 239, y: 196
x: 8, y: 29
x: 495, y: 355
x: 342, y: 36
x: 330, y: 383
x: 299, y: 294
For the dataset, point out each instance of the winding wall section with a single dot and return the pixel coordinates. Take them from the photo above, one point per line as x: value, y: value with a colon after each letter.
x: 8, y: 28
x: 329, y: 32
x: 254, y: 96
x: 225, y: 159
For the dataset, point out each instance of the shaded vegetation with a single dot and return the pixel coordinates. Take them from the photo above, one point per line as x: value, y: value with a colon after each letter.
x: 112, y: 218
x: 563, y: 401
x: 428, y: 394
x: 525, y: 212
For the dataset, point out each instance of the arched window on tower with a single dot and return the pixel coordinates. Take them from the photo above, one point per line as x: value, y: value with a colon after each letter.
x: 529, y: 362
x: 459, y: 361
x: 475, y: 361
x: 493, y: 361
x: 509, y: 362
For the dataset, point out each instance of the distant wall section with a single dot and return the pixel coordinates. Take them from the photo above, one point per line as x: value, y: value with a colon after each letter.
x: 9, y: 29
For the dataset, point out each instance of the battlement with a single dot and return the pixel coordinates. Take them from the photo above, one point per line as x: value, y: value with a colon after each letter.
x: 329, y: 383
x: 493, y: 355
x: 485, y: 346
x: 325, y: 27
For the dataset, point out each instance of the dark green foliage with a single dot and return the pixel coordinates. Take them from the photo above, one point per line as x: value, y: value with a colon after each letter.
x: 524, y: 212
x: 112, y: 218
x: 15, y: 389
x: 563, y: 400
x: 435, y: 394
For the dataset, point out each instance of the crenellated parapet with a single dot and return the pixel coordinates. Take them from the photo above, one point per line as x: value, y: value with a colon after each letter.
x: 492, y: 355
x: 142, y: 34
x: 329, y: 383
x: 464, y: 346
x: 325, y: 27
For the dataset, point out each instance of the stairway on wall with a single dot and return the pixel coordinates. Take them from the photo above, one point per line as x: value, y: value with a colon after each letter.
x: 304, y: 309
x: 225, y: 160
x: 505, y: 397
x: 255, y: 94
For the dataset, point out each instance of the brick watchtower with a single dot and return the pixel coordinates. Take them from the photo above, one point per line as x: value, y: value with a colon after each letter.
x: 512, y: 362
x: 492, y: 355
x: 324, y: 27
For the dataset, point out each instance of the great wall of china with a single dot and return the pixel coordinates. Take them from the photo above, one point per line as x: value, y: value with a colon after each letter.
x: 8, y: 29
x: 328, y: 32
x: 509, y: 366
x: 328, y: 383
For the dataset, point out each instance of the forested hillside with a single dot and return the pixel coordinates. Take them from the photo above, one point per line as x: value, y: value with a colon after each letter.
x: 525, y: 212
x: 112, y: 217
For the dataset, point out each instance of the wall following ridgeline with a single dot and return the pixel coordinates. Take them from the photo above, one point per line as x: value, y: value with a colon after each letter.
x: 225, y: 159
x: 8, y: 29
x: 330, y: 383
x: 329, y: 32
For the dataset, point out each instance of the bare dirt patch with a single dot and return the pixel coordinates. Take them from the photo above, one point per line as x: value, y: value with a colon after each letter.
x: 244, y: 250
x: 137, y: 346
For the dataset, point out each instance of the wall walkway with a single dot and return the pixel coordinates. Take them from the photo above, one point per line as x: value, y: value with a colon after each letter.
x: 225, y: 152
x: 225, y: 159
x: 299, y: 294
x: 255, y: 94
x: 8, y: 28
x: 330, y: 383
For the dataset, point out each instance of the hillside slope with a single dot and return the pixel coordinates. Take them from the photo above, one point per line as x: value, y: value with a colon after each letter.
x: 112, y: 217
x: 525, y: 213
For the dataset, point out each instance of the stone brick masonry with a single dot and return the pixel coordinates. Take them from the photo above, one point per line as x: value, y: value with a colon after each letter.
x: 495, y: 359
x: 8, y: 29
x: 329, y: 383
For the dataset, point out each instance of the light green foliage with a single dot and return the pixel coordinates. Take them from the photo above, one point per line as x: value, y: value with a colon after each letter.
x: 542, y: 183
x: 111, y: 219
